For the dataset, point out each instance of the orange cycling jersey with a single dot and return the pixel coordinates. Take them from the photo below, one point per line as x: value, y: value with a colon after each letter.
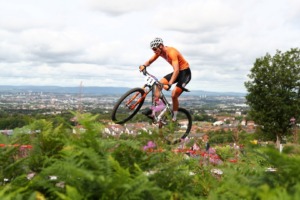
x: 173, y: 55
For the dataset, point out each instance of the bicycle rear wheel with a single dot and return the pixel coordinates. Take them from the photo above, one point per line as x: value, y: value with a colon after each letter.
x: 128, y: 105
x: 174, y: 132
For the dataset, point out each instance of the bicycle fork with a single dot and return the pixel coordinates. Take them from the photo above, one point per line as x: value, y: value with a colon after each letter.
x: 132, y: 106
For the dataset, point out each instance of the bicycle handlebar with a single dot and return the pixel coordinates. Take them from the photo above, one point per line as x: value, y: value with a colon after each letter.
x: 152, y: 76
x: 145, y: 71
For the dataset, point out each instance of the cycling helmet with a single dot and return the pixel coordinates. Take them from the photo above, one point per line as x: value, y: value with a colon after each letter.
x: 156, y: 42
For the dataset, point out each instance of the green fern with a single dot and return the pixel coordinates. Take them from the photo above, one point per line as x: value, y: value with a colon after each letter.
x: 87, y: 165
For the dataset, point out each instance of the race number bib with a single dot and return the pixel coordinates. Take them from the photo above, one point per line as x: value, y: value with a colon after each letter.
x: 150, y: 81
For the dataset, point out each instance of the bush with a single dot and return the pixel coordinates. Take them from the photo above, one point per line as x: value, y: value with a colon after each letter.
x: 85, y: 165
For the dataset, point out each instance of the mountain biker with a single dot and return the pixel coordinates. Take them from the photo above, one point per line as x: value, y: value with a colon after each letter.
x: 181, y: 71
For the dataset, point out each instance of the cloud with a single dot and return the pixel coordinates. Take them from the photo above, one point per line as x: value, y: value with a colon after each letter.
x: 197, y: 16
x: 117, y: 8
x: 103, y: 42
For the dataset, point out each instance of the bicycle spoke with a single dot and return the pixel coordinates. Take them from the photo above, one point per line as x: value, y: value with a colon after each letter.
x: 128, y: 105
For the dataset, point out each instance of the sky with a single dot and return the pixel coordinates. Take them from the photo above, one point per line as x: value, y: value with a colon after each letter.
x: 102, y: 42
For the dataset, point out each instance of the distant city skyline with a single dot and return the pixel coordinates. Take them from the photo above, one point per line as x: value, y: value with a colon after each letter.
x: 95, y: 90
x: 102, y: 43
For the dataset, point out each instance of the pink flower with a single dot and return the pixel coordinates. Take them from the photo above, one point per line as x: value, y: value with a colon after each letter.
x: 150, y: 145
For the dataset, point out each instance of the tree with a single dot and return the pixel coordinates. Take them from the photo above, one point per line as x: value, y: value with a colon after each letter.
x: 273, y: 92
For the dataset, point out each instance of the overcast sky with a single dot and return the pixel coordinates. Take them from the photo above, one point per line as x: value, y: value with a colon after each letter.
x: 102, y: 42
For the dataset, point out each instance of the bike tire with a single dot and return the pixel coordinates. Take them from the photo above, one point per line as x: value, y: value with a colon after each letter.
x: 122, y: 112
x: 175, y: 132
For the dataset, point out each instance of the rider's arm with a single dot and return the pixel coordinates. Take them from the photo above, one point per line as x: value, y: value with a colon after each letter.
x: 175, y: 65
x: 151, y: 60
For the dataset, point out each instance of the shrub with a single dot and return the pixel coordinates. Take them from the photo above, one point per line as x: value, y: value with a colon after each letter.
x: 85, y: 165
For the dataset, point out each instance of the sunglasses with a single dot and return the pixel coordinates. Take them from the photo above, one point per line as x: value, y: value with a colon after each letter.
x: 154, y: 49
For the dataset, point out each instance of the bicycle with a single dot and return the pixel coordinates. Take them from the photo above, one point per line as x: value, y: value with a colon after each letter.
x: 131, y: 102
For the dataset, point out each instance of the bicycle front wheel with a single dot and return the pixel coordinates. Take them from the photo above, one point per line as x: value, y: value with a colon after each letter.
x: 128, y: 105
x: 174, y: 132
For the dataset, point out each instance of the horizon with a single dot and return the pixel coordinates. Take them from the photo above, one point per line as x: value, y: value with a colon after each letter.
x: 123, y: 88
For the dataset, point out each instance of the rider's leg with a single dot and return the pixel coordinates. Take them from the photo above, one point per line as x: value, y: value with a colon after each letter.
x: 164, y: 81
x: 157, y: 94
x: 177, y: 91
x: 158, y: 103
x: 175, y: 94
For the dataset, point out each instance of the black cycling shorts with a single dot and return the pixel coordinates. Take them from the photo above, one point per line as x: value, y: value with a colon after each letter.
x: 183, y: 78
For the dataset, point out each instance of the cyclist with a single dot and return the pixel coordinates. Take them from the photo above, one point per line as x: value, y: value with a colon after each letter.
x: 181, y: 71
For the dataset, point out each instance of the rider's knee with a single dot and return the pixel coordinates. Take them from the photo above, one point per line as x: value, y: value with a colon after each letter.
x: 174, y: 96
x: 176, y: 92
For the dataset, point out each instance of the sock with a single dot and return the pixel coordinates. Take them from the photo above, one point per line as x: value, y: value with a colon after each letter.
x: 175, y: 115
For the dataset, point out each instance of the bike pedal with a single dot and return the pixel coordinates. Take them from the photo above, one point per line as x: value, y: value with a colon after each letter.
x: 163, y: 122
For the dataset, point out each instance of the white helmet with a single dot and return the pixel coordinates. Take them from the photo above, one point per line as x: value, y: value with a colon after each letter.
x: 156, y: 42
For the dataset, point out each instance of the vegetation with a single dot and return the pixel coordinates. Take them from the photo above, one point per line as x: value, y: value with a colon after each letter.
x: 87, y: 165
x: 274, y: 92
x: 16, y: 119
x: 203, y: 117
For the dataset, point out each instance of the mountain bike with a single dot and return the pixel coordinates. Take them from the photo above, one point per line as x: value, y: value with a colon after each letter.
x: 131, y: 102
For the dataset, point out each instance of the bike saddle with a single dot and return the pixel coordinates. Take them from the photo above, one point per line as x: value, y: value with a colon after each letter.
x: 185, y: 89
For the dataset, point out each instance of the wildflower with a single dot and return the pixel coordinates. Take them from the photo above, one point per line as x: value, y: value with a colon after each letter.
x: 53, y: 177
x: 30, y: 175
x: 150, y: 145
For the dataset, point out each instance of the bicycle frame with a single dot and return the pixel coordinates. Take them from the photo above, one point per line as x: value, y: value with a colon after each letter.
x: 151, y: 86
x: 134, y: 99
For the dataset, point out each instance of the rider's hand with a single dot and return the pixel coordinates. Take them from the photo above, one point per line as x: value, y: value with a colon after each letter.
x: 167, y: 87
x: 142, y: 67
